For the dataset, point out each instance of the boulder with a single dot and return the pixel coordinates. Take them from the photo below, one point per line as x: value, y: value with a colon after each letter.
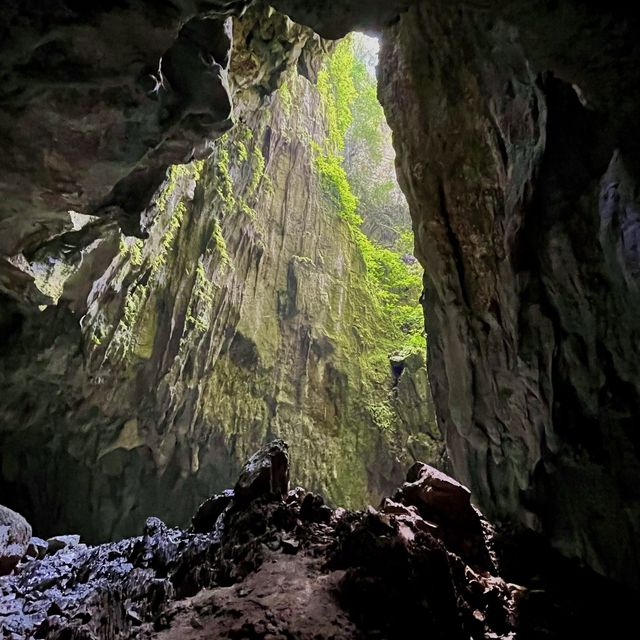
x: 56, y: 543
x: 446, y: 503
x: 37, y: 548
x: 15, y: 533
x: 266, y: 473
x: 204, y: 519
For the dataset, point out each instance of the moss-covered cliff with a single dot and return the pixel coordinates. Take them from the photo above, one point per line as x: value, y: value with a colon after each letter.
x: 249, y: 312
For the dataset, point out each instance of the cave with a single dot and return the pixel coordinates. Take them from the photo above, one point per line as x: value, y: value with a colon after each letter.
x: 189, y: 280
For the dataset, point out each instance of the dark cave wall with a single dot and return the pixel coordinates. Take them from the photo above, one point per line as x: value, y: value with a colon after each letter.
x: 523, y: 191
x: 96, y: 102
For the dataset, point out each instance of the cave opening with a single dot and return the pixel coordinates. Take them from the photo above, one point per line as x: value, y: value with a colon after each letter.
x: 269, y: 292
x: 180, y: 286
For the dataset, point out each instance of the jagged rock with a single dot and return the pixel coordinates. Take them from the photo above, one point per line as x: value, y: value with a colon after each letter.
x: 445, y: 502
x: 399, y: 577
x: 15, y: 533
x: 314, y: 509
x: 265, y: 474
x: 273, y: 570
x: 209, y: 511
x: 162, y: 92
x: 37, y: 548
x: 520, y: 163
x: 343, y: 17
x: 153, y: 526
x: 56, y: 543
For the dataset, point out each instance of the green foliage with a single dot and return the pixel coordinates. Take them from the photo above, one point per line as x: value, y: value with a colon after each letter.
x: 368, y: 116
x: 336, y: 87
x: 284, y: 93
x: 335, y: 180
x: 348, y: 94
x: 404, y: 245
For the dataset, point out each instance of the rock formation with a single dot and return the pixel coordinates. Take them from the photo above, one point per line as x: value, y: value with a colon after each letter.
x: 519, y: 164
x: 516, y: 127
x: 15, y: 533
x: 274, y: 564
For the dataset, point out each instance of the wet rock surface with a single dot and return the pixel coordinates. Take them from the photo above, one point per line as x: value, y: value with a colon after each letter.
x: 273, y: 566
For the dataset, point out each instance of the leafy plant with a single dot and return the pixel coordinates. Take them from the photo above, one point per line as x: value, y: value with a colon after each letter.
x: 356, y: 122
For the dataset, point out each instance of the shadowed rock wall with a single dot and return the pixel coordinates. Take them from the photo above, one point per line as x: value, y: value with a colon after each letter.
x: 523, y: 191
x: 516, y: 127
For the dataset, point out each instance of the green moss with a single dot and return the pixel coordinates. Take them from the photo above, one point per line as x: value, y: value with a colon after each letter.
x: 258, y: 166
x: 241, y: 148
x: 220, y: 244
x: 383, y: 415
x: 225, y: 185
x: 136, y: 253
x: 131, y: 250
x: 246, y: 209
x: 284, y: 94
x: 175, y: 171
x: 168, y: 238
x: 135, y: 331
x: 124, y: 338
x: 201, y: 301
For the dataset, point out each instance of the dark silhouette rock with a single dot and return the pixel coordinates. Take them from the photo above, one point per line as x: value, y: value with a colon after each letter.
x: 440, y: 499
x: 274, y: 568
x: 37, y: 547
x: 520, y: 163
x: 209, y: 511
x: 265, y: 474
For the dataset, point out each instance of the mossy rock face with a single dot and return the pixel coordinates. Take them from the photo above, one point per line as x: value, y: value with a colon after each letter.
x: 242, y: 317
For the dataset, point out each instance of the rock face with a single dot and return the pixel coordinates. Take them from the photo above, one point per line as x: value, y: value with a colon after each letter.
x: 133, y: 89
x: 265, y: 473
x: 269, y: 569
x: 167, y: 361
x: 15, y: 533
x: 520, y: 163
x: 516, y: 126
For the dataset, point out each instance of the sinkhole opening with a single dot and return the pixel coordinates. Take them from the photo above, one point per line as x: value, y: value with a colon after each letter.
x: 272, y: 293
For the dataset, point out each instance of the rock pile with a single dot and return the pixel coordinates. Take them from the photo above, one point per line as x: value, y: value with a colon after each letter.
x: 263, y: 561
